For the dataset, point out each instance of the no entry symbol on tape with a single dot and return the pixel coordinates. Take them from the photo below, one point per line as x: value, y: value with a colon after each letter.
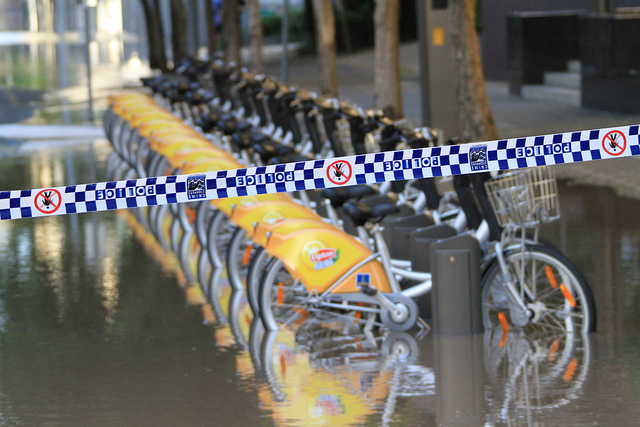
x: 614, y: 143
x: 48, y: 201
x: 339, y: 172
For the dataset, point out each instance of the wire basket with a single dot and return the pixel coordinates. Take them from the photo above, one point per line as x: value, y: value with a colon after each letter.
x: 525, y: 197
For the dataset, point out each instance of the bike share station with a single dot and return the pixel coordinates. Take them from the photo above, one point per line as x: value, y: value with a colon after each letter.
x: 454, y: 258
x: 154, y: 133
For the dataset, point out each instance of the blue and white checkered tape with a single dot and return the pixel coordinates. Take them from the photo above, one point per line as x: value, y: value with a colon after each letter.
x: 506, y: 154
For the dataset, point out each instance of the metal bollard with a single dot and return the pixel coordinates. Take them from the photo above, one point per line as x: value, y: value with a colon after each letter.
x: 456, y: 295
x: 398, y: 233
x: 418, y: 245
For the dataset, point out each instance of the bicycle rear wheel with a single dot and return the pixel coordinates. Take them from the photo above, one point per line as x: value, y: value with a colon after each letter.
x: 554, y: 292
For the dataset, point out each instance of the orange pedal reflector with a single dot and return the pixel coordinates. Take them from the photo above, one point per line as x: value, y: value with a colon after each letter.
x: 553, y: 350
x: 550, y: 277
x: 280, y: 293
x: 571, y: 369
x: 567, y: 295
x: 301, y: 311
x: 358, y: 314
x: 247, y: 255
x: 304, y: 314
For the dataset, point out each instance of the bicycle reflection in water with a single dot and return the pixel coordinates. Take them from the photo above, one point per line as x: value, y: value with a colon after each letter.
x: 329, y: 371
x: 530, y: 380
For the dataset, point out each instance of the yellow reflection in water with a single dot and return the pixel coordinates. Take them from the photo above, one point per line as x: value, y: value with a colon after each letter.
x: 48, y: 171
x: 5, y: 232
x: 110, y: 294
x: 48, y: 238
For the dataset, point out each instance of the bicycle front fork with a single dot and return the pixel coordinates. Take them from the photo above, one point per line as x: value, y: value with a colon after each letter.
x: 508, y: 282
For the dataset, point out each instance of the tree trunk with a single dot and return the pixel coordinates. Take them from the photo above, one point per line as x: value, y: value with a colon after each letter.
x: 155, y: 35
x: 212, y: 35
x: 326, y: 47
x: 310, y: 26
x: 476, y: 118
x: 178, y: 30
x: 231, y: 30
x: 387, y: 93
x: 256, y: 40
x: 344, y: 25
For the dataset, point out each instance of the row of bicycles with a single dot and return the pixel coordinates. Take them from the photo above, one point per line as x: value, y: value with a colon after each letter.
x: 353, y: 252
x: 334, y: 373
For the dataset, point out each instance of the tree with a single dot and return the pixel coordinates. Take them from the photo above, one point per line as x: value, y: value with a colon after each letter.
x: 344, y: 25
x: 326, y: 47
x: 155, y: 34
x: 256, y: 39
x: 231, y: 30
x: 387, y: 94
x: 212, y: 31
x: 178, y: 30
x: 476, y: 117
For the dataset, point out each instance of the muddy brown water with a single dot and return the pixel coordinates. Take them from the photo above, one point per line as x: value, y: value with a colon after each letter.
x: 95, y: 329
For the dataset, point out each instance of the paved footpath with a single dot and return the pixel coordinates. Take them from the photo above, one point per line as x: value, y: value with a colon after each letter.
x: 538, y: 112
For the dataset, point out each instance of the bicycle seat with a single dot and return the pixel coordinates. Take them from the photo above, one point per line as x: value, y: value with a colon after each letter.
x: 289, y: 158
x: 269, y: 149
x: 230, y: 125
x: 208, y: 122
x: 245, y: 140
x: 199, y: 97
x: 360, y: 213
x: 340, y: 195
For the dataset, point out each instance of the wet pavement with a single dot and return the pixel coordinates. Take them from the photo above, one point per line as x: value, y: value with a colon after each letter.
x: 97, y: 326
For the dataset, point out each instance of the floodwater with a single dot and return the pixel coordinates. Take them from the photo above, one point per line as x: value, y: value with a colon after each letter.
x: 97, y: 328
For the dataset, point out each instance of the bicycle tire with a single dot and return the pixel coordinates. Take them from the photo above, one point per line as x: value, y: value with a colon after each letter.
x: 257, y: 268
x: 533, y: 376
x: 542, y: 268
x: 281, y: 297
x: 219, y: 233
x: 235, y: 258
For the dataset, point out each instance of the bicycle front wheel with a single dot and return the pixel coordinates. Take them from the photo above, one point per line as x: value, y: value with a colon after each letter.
x: 238, y: 257
x: 282, y: 298
x: 257, y: 270
x: 555, y: 294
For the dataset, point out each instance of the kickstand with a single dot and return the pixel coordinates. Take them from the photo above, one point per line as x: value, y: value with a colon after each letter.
x: 367, y: 331
x: 424, y: 328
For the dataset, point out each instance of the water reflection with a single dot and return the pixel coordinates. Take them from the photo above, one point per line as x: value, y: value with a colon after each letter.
x: 530, y: 380
x: 94, y: 332
x: 600, y: 233
x: 330, y: 373
x: 99, y: 325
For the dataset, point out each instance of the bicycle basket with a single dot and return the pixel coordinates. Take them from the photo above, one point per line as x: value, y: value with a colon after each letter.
x: 525, y: 197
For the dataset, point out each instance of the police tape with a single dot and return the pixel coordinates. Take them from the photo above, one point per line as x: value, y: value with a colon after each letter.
x: 505, y: 154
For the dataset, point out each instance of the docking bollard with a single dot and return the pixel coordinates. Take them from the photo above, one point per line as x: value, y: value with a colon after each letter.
x: 456, y: 300
x: 398, y: 231
x: 460, y: 378
x: 419, y: 243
